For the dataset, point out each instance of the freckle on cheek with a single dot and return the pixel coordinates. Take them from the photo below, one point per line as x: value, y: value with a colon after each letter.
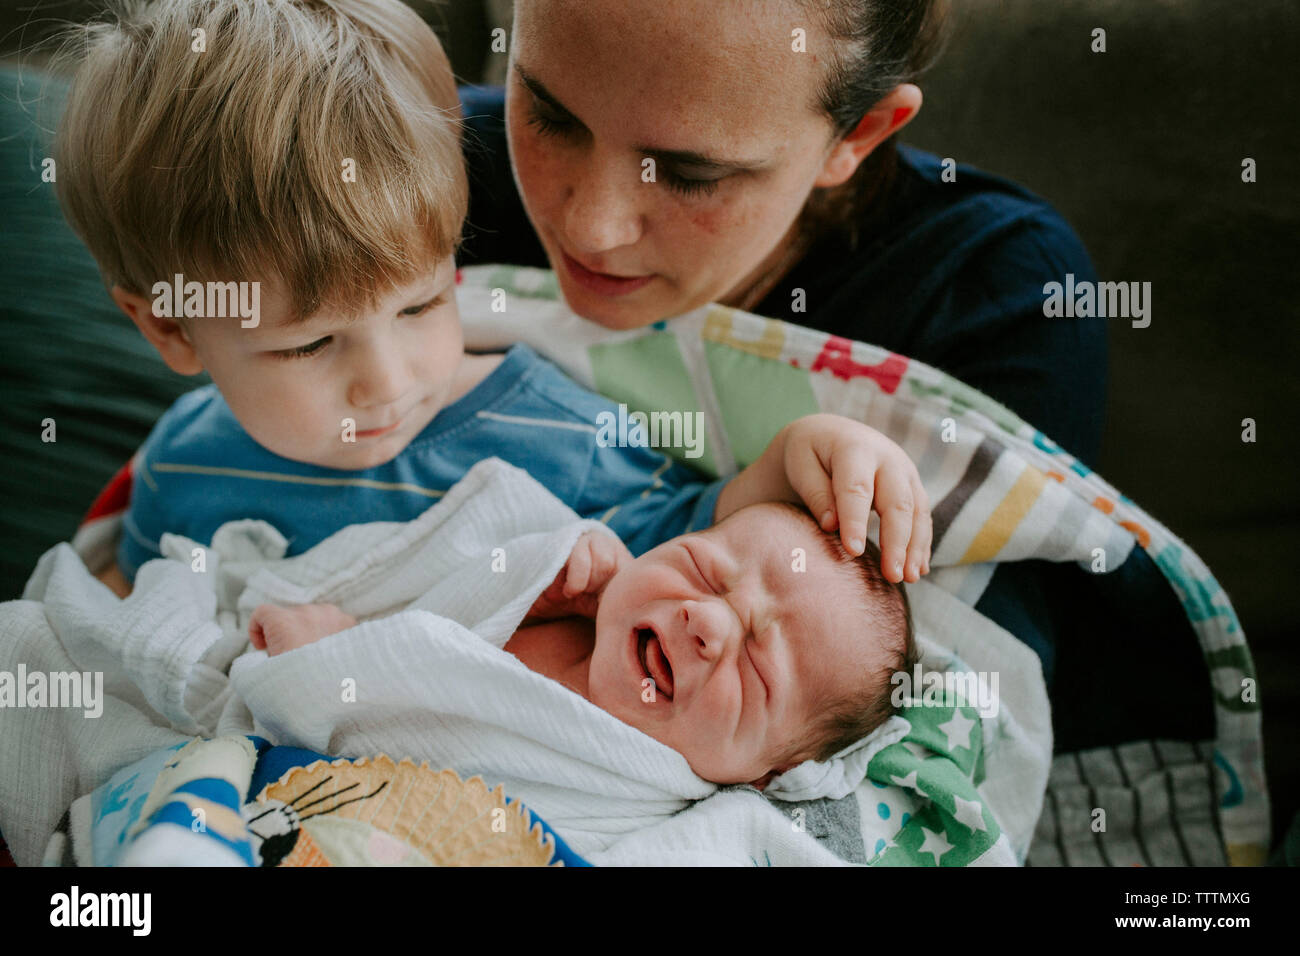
x: 710, y: 222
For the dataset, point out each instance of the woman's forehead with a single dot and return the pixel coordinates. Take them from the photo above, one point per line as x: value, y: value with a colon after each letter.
x: 674, y: 67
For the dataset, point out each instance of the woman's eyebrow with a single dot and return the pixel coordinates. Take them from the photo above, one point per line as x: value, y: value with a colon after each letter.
x: 673, y: 157
x: 539, y: 90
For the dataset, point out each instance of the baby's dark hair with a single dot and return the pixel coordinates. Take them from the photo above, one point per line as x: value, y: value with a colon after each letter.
x: 850, y: 717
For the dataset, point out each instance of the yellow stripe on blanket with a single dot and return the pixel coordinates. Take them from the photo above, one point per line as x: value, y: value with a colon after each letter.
x: 1006, y: 517
x: 720, y: 326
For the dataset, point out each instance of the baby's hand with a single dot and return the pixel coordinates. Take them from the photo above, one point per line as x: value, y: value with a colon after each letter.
x: 596, y: 558
x: 843, y: 469
x: 279, y: 629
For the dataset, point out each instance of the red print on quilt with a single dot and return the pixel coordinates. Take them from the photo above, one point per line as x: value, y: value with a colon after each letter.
x: 836, y: 357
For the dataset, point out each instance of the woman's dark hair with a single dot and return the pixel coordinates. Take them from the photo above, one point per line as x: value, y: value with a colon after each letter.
x: 877, y: 45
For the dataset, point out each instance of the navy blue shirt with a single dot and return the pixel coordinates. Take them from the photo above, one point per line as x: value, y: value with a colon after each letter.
x: 948, y: 273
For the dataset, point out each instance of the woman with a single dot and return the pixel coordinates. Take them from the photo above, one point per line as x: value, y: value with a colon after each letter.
x: 777, y: 186
x: 771, y: 127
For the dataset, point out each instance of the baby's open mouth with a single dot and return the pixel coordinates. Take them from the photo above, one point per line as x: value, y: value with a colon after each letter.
x: 654, y: 662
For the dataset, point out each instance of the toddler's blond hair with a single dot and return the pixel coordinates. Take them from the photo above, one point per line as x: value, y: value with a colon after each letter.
x: 228, y: 164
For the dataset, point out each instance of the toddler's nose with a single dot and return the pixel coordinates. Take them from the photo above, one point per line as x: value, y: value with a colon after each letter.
x: 379, y: 377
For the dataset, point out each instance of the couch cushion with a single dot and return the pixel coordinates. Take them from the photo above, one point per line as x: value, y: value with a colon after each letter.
x: 67, y: 353
x: 1140, y: 148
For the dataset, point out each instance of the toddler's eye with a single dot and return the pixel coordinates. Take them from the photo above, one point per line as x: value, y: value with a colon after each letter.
x: 303, y: 351
x: 428, y: 306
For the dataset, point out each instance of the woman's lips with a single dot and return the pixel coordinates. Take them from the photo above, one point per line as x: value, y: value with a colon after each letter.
x: 600, y: 282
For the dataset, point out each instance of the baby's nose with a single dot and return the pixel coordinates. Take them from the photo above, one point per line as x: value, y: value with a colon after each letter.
x: 707, y: 625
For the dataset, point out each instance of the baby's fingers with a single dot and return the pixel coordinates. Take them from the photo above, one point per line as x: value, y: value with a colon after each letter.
x: 854, y: 481
x: 256, y: 633
x: 809, y: 479
x: 896, y: 503
x: 918, y: 549
x: 607, y: 554
x: 579, y: 568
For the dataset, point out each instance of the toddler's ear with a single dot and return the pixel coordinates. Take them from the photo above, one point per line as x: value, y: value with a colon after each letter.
x: 166, y: 335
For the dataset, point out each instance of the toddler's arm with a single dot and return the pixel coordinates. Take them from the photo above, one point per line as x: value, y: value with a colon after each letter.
x: 279, y: 629
x: 115, y: 579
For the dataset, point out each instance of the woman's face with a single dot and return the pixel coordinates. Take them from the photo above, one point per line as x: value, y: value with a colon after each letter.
x: 714, y: 95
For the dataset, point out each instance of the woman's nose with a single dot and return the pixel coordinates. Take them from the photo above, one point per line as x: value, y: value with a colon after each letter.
x: 603, y: 208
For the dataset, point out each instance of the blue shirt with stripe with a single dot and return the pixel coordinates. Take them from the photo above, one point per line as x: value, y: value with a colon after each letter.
x: 199, y: 469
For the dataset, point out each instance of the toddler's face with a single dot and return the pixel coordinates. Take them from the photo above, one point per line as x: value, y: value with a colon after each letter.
x: 389, y: 371
x: 743, y: 649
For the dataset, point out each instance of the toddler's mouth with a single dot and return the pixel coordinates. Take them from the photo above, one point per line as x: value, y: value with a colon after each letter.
x: 654, y: 662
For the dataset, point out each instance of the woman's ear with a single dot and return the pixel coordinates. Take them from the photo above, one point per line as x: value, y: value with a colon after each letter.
x: 884, y: 119
x: 167, y: 335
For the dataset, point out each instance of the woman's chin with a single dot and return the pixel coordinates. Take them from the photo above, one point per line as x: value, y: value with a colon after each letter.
x: 617, y: 313
x: 614, y: 316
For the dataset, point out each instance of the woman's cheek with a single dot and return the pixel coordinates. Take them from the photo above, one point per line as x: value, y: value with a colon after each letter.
x: 711, y: 221
x: 736, y: 215
x: 537, y: 169
x: 720, y: 235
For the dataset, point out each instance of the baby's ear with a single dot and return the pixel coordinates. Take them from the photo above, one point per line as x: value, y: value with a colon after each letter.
x: 762, y: 782
x: 167, y: 335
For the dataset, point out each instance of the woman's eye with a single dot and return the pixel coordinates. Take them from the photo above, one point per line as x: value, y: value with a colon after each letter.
x: 686, y: 186
x: 549, y: 125
x: 304, y: 350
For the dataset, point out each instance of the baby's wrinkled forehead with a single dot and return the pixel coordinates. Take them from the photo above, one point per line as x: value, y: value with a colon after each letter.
x: 805, y: 565
x: 787, y: 531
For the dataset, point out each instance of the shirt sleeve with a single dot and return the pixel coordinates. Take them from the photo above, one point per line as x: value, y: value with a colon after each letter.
x: 142, y: 524
x: 146, y: 517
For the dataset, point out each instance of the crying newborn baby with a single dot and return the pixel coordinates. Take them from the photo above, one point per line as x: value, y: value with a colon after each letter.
x: 748, y: 647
